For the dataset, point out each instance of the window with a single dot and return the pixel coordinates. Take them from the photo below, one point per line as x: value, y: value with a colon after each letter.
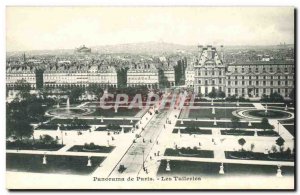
x: 243, y: 70
x: 257, y: 83
x: 271, y: 69
x: 250, y: 69
x: 236, y: 83
x: 213, y: 82
x: 278, y: 83
x: 199, y: 81
x: 235, y: 69
x: 243, y: 82
x: 271, y: 83
x: 213, y: 72
x: 285, y: 69
x: 264, y: 69
x: 264, y: 83
x: 220, y: 81
x: 256, y: 69
x: 250, y: 82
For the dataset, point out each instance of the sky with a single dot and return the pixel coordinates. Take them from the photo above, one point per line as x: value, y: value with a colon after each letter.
x: 39, y: 28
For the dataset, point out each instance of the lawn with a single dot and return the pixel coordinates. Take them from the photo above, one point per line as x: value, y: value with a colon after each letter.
x: 268, y: 133
x: 196, y: 132
x: 189, y: 152
x: 31, y: 146
x: 290, y: 128
x: 206, y: 124
x: 97, y: 149
x: 126, y: 129
x: 237, y: 132
x: 212, y: 169
x: 111, y: 112
x: 55, y: 164
x: 96, y: 121
x: 246, y: 155
x: 222, y: 104
x: 65, y: 127
x: 207, y: 113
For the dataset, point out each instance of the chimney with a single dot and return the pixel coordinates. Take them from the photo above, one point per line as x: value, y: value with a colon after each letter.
x: 200, y: 49
x: 222, y: 53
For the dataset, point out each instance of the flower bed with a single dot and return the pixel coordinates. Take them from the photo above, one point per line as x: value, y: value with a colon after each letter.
x: 248, y: 155
x: 95, y: 148
x: 237, y: 132
x: 189, y: 152
x: 267, y: 133
x: 196, y: 132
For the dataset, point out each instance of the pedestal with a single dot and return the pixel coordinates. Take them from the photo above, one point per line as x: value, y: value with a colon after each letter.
x: 181, y: 121
x: 221, y: 171
x: 249, y: 124
x: 168, y: 168
x: 215, y: 121
x: 213, y: 111
x: 286, y: 107
x: 44, y: 160
x: 89, y: 163
x: 279, y: 174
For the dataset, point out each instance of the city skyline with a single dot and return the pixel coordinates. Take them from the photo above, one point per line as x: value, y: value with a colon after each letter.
x: 69, y: 27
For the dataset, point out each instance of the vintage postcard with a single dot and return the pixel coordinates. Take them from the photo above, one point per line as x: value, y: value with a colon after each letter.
x: 150, y: 98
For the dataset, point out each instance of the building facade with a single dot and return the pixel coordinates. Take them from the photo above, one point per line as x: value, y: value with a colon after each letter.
x: 245, y: 79
x: 143, y: 73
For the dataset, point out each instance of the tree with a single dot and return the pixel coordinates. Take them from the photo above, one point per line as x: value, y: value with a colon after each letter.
x: 75, y: 93
x: 24, y: 88
x: 35, y: 110
x: 47, y: 139
x: 96, y: 90
x: 264, y: 98
x: 276, y: 97
x: 280, y: 142
x: 220, y: 94
x: 242, y: 142
x: 265, y: 124
x: 213, y: 93
x: 17, y: 121
x: 235, y: 122
x: 292, y: 94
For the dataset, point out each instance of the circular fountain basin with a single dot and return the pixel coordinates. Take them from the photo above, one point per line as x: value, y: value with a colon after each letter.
x: 270, y: 114
x: 67, y: 112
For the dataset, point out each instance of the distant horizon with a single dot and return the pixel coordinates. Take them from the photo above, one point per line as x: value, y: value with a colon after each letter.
x: 54, y: 28
x: 156, y: 42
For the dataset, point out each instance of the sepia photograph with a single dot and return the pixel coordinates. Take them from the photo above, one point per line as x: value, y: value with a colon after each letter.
x: 150, y: 98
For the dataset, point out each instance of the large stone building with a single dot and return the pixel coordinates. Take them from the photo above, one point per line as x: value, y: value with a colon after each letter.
x: 244, y: 79
x: 68, y: 74
x: 209, y: 71
x: 143, y: 73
